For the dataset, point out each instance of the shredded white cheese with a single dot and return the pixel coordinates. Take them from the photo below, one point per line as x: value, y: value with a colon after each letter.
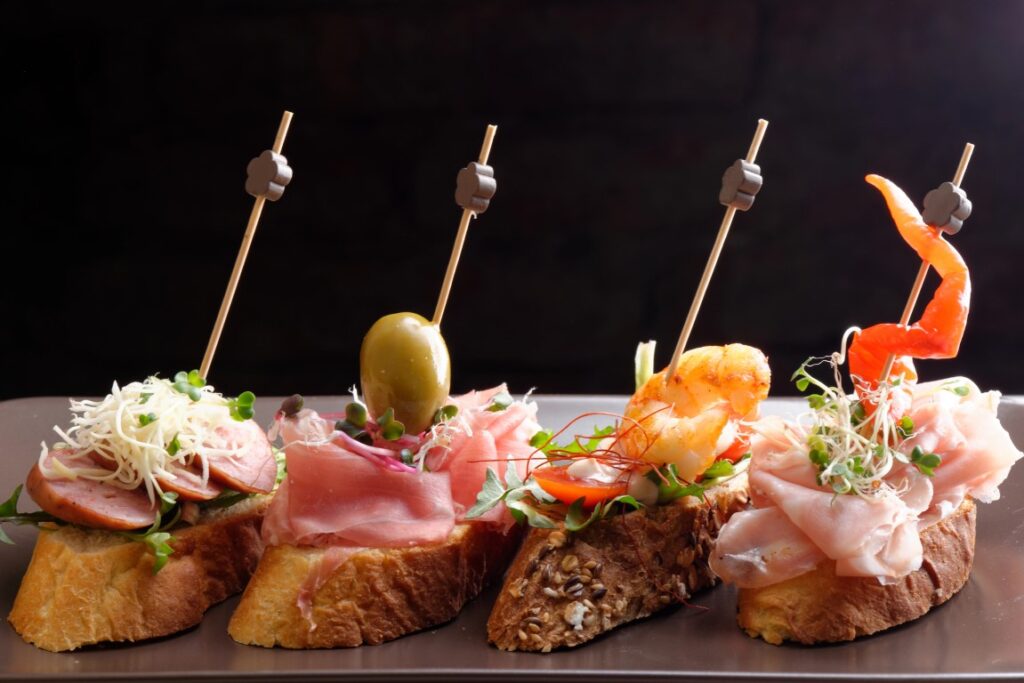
x: 138, y: 432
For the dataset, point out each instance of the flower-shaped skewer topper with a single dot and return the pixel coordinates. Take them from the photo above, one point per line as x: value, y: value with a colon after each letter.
x: 946, y: 208
x: 740, y: 184
x: 267, y: 175
x: 474, y: 187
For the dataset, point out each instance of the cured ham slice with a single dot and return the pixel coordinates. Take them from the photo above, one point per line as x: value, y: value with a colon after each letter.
x: 798, y: 523
x: 337, y: 494
x: 488, y: 440
x: 89, y: 503
x: 332, y: 496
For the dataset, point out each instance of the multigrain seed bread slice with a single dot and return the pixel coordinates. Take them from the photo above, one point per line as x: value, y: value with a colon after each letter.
x: 820, y: 607
x: 84, y: 587
x: 564, y: 588
x: 374, y: 595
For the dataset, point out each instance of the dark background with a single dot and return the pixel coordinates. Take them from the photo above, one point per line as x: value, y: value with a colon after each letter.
x: 130, y: 130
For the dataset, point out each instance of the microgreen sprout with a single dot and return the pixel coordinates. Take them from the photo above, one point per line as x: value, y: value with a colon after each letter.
x: 174, y: 446
x: 445, y: 414
x: 500, y: 402
x: 390, y: 428
x: 852, y: 446
x: 355, y: 414
x: 189, y: 383
x: 241, y: 407
x: 148, y: 418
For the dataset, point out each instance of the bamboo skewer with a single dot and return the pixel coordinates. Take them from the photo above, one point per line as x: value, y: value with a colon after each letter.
x: 709, y: 268
x: 922, y: 272
x: 243, y: 252
x: 460, y: 237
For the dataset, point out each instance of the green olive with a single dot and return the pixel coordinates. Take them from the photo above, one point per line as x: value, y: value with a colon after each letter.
x: 404, y: 365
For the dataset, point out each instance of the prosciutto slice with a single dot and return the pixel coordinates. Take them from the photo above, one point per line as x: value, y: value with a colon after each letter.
x: 334, y: 496
x: 796, y: 524
x: 488, y: 440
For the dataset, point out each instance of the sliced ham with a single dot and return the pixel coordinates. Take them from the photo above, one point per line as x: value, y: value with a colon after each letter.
x: 796, y: 523
x: 339, y: 495
x: 254, y: 470
x: 332, y: 496
x: 488, y: 440
x: 89, y: 503
x: 760, y: 547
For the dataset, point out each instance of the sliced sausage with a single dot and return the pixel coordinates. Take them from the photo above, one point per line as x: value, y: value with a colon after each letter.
x: 187, y: 482
x: 91, y: 503
x: 254, y: 470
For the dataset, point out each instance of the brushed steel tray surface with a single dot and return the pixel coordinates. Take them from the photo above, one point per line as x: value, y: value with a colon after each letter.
x: 975, y: 636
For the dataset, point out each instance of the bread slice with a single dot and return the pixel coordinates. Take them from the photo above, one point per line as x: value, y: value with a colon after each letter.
x: 564, y: 589
x: 820, y: 607
x: 84, y: 587
x: 374, y: 595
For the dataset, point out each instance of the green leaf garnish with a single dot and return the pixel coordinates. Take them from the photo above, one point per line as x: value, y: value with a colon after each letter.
x: 905, y: 426
x: 174, y: 446
x: 9, y: 515
x: 925, y: 462
x: 576, y: 519
x: 241, y: 407
x: 719, y: 468
x: 500, y: 402
x: 490, y: 495
x: 168, y: 499
x: 148, y: 418
x: 445, y: 413
x: 189, y: 383
x: 671, y: 487
x: 355, y: 414
x: 541, y: 438
x: 393, y: 430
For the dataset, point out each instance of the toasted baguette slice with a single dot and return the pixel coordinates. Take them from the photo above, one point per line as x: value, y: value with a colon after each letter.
x: 820, y: 607
x: 375, y: 595
x: 84, y: 587
x: 564, y: 589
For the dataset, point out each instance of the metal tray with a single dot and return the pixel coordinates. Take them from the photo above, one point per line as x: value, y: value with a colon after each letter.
x: 975, y: 636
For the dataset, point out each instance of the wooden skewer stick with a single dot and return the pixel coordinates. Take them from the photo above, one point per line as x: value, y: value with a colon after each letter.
x: 460, y: 237
x: 243, y: 252
x: 922, y: 273
x: 709, y: 268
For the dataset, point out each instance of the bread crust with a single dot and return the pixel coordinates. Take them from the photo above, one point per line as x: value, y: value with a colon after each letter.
x: 820, y: 607
x: 375, y: 595
x: 564, y: 589
x: 84, y: 587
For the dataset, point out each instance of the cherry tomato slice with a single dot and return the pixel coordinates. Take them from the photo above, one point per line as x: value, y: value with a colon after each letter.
x: 568, y: 489
x: 739, y: 448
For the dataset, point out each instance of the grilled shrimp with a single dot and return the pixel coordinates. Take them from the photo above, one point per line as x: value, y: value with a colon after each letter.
x: 690, y: 419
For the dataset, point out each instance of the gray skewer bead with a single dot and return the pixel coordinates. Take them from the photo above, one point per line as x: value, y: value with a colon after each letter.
x: 740, y: 184
x: 474, y: 187
x: 946, y: 208
x: 267, y: 175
